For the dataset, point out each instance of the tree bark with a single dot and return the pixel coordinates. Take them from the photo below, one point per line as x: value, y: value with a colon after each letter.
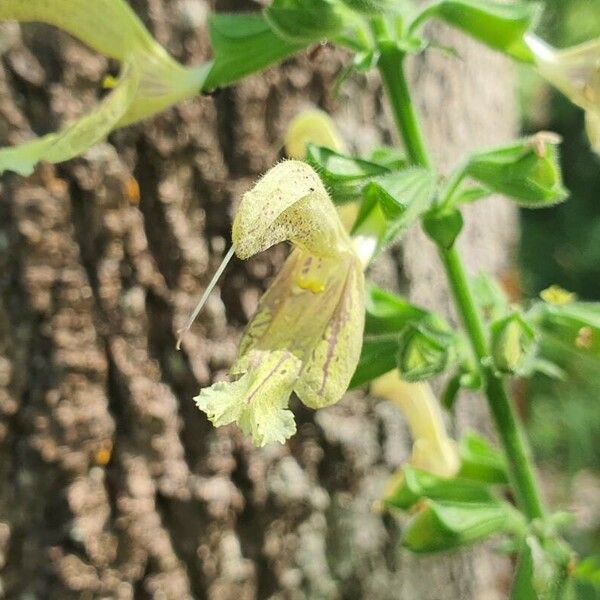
x: 112, y: 483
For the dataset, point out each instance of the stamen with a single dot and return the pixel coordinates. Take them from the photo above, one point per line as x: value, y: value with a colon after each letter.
x: 205, y: 296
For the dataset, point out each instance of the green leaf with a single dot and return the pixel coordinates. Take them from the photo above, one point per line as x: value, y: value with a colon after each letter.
x: 77, y: 137
x: 490, y: 297
x: 389, y: 157
x: 304, y: 21
x: 387, y: 316
x: 468, y: 195
x: 377, y: 357
x: 443, y: 226
x: 481, y: 462
x: 527, y: 172
x: 439, y: 526
x: 498, y: 25
x: 451, y: 391
x: 243, y: 44
x: 371, y: 7
x: 413, y: 485
x: 343, y: 175
x: 387, y: 313
x: 588, y: 571
x: 393, y: 202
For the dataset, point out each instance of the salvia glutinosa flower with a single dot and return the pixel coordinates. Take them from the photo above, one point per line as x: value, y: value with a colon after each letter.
x: 433, y: 450
x: 306, y: 335
x: 575, y: 72
x: 149, y: 80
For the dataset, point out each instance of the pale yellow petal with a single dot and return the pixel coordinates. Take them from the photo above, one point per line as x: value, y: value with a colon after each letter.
x: 574, y: 71
x: 108, y: 26
x: 311, y: 127
x: 113, y: 29
x: 314, y: 126
x: 289, y: 203
x: 163, y: 83
x: 257, y: 401
x: 433, y: 449
x: 77, y: 137
x: 592, y: 127
x: 332, y: 361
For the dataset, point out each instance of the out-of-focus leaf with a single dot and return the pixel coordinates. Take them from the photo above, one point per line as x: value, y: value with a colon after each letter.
x: 439, y: 525
x: 490, y: 297
x: 522, y: 587
x: 371, y: 7
x: 389, y: 157
x: 588, y: 571
x: 500, y: 25
x: 387, y: 313
x: 481, y: 462
x: 304, y: 21
x: 243, y: 44
x: 543, y: 567
x: 413, y: 485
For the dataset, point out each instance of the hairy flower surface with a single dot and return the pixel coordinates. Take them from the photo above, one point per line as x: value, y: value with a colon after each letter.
x: 149, y: 81
x: 306, y: 335
x: 576, y: 73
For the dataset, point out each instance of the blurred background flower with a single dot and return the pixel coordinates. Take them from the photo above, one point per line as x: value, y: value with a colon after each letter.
x: 562, y: 246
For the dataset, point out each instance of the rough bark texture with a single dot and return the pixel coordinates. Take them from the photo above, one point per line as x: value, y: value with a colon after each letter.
x: 112, y: 484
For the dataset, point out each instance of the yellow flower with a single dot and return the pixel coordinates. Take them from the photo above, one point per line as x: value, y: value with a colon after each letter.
x: 150, y: 80
x: 311, y: 126
x: 557, y: 296
x: 433, y: 450
x: 306, y: 336
x: 576, y: 73
x: 315, y: 126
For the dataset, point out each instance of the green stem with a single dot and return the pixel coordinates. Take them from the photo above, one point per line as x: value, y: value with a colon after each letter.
x: 391, y: 67
x: 511, y: 435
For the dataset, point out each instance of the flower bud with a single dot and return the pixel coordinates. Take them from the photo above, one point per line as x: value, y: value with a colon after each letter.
x: 425, y: 350
x: 513, y: 344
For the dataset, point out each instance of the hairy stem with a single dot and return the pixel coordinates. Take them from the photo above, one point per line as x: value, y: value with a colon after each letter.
x: 509, y: 429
